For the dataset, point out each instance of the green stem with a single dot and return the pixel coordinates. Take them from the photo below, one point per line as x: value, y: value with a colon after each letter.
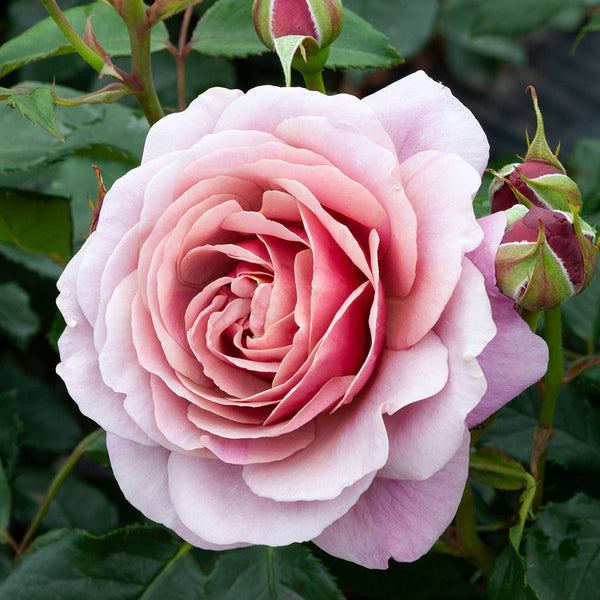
x: 314, y: 81
x: 470, y: 545
x: 182, y: 51
x: 551, y: 388
x: 94, y: 60
x: 134, y: 15
x: 531, y: 317
x: 54, y: 485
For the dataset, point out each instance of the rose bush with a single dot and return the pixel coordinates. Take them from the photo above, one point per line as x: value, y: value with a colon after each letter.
x: 287, y: 320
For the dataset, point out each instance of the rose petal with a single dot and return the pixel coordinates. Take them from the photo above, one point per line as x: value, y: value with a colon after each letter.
x: 398, y: 519
x: 421, y: 114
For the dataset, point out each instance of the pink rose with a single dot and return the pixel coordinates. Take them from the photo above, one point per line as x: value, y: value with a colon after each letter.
x: 287, y: 320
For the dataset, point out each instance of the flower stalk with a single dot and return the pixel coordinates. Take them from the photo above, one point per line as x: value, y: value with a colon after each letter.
x: 551, y: 387
x: 54, y: 486
x: 134, y: 15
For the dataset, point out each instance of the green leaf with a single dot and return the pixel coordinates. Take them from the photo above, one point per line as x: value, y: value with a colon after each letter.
x: 5, y: 499
x: 17, y: 320
x: 226, y: 29
x: 36, y: 223
x: 98, y: 451
x: 508, y: 581
x: 45, y: 39
x: 110, y: 131
x: 361, y: 46
x: 592, y: 25
x: 576, y: 440
x: 77, y: 504
x: 563, y: 549
x: 47, y: 424
x: 584, y: 168
x: 582, y: 312
x: 37, y: 105
x: 512, y: 18
x: 41, y: 264
x: 127, y: 564
x: 263, y: 573
x: 495, y: 469
x: 407, y: 24
x: 10, y: 428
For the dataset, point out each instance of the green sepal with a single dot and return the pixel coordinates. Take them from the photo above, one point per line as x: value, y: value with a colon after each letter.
x: 538, y: 148
x: 555, y: 190
x: 536, y: 266
x: 589, y: 249
x: 492, y: 467
x: 286, y: 47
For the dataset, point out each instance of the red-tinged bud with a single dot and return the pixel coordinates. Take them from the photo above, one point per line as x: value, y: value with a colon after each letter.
x: 319, y: 20
x: 540, y: 180
x: 545, y: 257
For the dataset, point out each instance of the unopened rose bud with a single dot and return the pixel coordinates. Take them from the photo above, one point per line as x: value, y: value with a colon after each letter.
x: 545, y: 257
x: 541, y: 183
x: 320, y: 20
x: 540, y: 180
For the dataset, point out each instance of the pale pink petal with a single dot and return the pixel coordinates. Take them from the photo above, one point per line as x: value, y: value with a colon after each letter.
x: 141, y: 472
x: 79, y: 367
x: 399, y: 519
x: 440, y: 188
x: 402, y: 377
x: 264, y: 108
x: 353, y: 439
x: 179, y: 131
x: 212, y: 500
x: 421, y: 114
x: 426, y: 434
x: 516, y: 358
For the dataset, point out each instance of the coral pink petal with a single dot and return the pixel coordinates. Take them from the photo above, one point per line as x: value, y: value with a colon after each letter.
x: 440, y: 188
x: 399, y: 519
x: 421, y: 114
x: 212, y: 500
x: 337, y: 141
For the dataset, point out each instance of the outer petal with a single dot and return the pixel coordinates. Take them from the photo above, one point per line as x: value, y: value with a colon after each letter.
x: 182, y: 130
x: 421, y: 114
x: 440, y: 188
x: 399, y: 519
x: 516, y: 358
x: 426, y: 434
x: 79, y: 365
x: 212, y: 499
x: 142, y: 476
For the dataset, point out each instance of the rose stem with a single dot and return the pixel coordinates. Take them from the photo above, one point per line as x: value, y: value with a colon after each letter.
x: 314, y: 81
x: 134, y: 15
x: 54, y: 485
x: 180, y: 54
x: 470, y: 545
x: 551, y: 387
x: 94, y: 60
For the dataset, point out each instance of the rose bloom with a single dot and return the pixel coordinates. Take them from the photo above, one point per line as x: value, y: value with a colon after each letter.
x: 287, y: 320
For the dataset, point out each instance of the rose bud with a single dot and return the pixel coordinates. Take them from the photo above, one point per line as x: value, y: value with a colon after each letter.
x: 320, y: 20
x: 540, y: 183
x: 540, y: 180
x: 545, y: 257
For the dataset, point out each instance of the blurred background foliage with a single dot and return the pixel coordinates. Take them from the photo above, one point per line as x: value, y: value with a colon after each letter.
x: 487, y: 52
